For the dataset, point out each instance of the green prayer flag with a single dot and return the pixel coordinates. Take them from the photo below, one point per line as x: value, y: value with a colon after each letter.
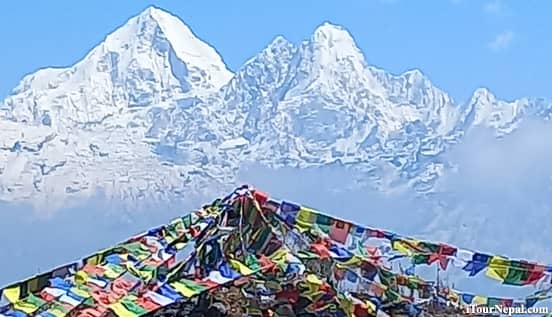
x: 386, y: 277
x: 57, y: 309
x: 252, y: 262
x: 113, y: 271
x: 361, y: 250
x: 176, y: 225
x: 138, y: 250
x: 188, y: 288
x: 127, y: 307
x: 187, y: 221
x: 324, y: 223
x: 517, y: 274
x: 491, y: 301
x: 306, y: 255
x: 420, y: 259
x: 429, y: 247
x: 89, y: 301
x: 145, y: 273
x: 35, y: 300
x: 391, y: 295
x: 133, y: 307
x: 30, y: 304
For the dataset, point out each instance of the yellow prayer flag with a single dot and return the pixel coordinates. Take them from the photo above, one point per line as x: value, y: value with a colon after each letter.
x: 280, y: 255
x: 81, y: 278
x: 183, y: 289
x: 404, y: 246
x: 305, y: 219
x: 371, y: 306
x: 454, y: 297
x: 347, y: 306
x: 110, y: 273
x: 83, y: 293
x: 479, y: 300
x: 313, y: 279
x: 354, y: 261
x: 498, y: 268
x: 401, y: 247
x: 120, y: 310
x: 240, y: 267
x: 180, y: 245
x: 97, y: 258
x: 142, y: 274
x: 25, y: 307
x: 12, y: 294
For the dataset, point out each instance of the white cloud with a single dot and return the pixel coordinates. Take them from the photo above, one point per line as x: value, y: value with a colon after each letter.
x: 515, y: 164
x: 494, y: 7
x: 502, y: 41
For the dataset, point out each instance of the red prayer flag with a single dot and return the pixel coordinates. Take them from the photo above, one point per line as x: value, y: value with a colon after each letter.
x: 266, y: 263
x: 339, y: 231
x: 442, y: 255
x: 290, y: 295
x: 321, y: 250
x: 443, y: 260
x: 261, y: 197
x: 47, y: 296
x: 446, y: 249
x: 360, y: 310
x: 535, y: 274
x: 506, y: 302
x: 93, y: 270
x: 148, y: 304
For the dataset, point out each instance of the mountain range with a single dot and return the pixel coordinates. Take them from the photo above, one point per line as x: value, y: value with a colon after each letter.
x: 153, y: 112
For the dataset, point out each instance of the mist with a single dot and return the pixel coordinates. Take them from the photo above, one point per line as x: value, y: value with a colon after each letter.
x: 503, y: 188
x: 496, y: 199
x: 34, y: 242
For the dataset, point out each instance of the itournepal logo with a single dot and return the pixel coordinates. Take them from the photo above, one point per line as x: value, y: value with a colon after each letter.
x: 505, y: 310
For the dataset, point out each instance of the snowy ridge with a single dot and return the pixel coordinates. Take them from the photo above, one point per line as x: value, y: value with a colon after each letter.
x: 152, y: 112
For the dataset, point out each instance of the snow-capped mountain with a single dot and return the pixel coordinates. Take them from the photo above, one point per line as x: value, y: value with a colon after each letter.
x: 153, y: 58
x: 152, y: 112
x: 81, y: 129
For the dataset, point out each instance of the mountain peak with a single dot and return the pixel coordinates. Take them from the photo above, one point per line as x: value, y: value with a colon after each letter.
x: 335, y: 38
x: 161, y: 17
x: 153, y: 10
x: 414, y: 74
x: 331, y: 32
x: 330, y: 44
x: 153, y: 58
x: 279, y: 41
x: 483, y: 95
x: 154, y: 23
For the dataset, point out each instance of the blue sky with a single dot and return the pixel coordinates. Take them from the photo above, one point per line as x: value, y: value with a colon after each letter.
x: 459, y: 44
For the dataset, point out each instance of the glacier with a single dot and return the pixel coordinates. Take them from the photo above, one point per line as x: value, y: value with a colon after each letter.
x: 152, y: 115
